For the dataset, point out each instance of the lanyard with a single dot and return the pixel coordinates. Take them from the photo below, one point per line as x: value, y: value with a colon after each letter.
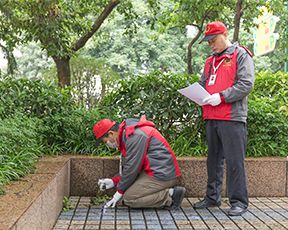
x: 215, y: 68
x: 120, y: 165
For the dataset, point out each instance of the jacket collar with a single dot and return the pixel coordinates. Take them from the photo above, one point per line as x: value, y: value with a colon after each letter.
x: 128, y: 126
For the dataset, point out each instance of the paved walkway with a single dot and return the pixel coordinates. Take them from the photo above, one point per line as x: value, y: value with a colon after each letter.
x: 264, y: 213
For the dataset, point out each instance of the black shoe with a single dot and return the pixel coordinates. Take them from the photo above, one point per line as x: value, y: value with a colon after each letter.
x: 205, y: 204
x: 177, y: 197
x: 236, y: 211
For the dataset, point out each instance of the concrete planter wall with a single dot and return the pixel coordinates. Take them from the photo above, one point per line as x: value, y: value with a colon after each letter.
x: 266, y: 176
x: 35, y: 201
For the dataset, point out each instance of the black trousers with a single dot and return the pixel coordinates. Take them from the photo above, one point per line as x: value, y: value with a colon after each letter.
x: 227, y: 140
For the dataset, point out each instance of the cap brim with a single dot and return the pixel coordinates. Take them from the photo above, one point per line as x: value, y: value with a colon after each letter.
x: 98, y: 142
x: 207, y: 38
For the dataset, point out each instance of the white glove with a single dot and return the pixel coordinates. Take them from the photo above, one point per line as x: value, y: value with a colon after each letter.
x: 117, y: 196
x: 105, y: 183
x: 213, y: 100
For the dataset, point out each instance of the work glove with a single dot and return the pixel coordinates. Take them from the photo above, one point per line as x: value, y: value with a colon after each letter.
x: 105, y: 183
x: 117, y: 196
x: 213, y: 99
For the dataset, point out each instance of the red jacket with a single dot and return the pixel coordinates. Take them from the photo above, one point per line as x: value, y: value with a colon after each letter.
x: 143, y: 148
x: 234, y: 81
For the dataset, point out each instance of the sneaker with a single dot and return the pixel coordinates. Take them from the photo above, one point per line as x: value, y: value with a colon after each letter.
x: 177, y: 197
x: 236, y: 211
x: 205, y: 204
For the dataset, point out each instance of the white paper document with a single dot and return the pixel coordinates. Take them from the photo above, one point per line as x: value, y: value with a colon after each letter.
x: 195, y: 92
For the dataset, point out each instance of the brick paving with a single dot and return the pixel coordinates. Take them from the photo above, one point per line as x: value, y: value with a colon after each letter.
x: 263, y: 213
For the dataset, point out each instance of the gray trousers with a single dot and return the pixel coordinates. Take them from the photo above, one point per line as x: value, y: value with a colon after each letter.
x: 148, y: 192
x: 227, y: 140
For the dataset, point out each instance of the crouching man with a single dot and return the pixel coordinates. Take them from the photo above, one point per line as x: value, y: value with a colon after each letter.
x: 148, y: 166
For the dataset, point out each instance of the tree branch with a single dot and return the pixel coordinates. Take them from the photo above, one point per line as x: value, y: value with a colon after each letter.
x: 8, y: 54
x: 98, y: 22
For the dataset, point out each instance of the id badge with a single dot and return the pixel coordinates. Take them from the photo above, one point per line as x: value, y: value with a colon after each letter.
x: 212, y: 79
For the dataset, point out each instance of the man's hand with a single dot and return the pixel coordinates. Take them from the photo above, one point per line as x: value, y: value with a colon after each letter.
x: 105, y: 183
x: 213, y: 100
x: 117, y: 196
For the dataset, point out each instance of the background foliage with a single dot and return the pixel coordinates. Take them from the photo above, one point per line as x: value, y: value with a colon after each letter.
x: 20, y: 146
x: 180, y: 120
x: 37, y: 117
x: 156, y: 96
x: 143, y: 51
x: 139, y: 57
x: 32, y: 97
x: 91, y: 80
x: 268, y: 115
x: 144, y: 40
x: 66, y: 125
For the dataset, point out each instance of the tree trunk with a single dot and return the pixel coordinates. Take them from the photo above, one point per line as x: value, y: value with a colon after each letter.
x: 237, y: 18
x: 189, y: 52
x: 189, y: 59
x: 12, y: 64
x: 62, y: 63
x: 63, y: 71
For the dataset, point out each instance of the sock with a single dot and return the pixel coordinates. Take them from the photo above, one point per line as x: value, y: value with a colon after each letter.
x: 171, y: 191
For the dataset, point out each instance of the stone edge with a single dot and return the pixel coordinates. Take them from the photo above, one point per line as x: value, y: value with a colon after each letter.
x: 41, y: 205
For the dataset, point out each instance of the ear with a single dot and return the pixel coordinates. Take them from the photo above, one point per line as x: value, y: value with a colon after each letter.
x: 110, y: 133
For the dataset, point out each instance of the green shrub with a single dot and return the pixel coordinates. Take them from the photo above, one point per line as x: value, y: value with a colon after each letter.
x: 65, y: 128
x: 156, y: 95
x: 20, y: 146
x: 269, y: 84
x: 35, y: 98
x: 71, y: 132
x: 185, y: 145
x: 268, y: 115
x: 180, y: 120
x: 267, y: 129
x: 274, y: 87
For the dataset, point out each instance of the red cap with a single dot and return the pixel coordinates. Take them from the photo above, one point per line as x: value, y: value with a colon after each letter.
x: 212, y: 29
x: 102, y: 127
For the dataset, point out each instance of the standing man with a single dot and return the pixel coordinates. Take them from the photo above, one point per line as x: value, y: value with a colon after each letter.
x: 148, y: 166
x: 229, y: 77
